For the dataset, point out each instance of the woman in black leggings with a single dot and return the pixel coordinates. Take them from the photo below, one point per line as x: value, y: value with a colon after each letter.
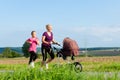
x: 47, y: 40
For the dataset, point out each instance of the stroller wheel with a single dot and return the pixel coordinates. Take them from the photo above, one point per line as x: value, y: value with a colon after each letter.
x: 77, y: 67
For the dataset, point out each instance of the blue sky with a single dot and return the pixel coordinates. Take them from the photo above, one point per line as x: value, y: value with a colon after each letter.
x: 92, y: 23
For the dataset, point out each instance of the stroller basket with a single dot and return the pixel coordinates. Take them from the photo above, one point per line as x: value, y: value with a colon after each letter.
x: 70, y: 48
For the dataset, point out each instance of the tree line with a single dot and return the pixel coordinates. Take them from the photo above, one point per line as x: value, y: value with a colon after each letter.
x: 8, y: 53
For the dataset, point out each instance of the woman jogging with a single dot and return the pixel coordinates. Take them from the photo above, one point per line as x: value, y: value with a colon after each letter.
x: 47, y: 40
x: 34, y: 41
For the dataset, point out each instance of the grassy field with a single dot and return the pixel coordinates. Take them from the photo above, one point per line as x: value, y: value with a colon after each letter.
x: 94, y: 68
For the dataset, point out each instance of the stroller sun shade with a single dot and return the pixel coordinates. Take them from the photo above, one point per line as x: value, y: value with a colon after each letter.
x: 70, y: 47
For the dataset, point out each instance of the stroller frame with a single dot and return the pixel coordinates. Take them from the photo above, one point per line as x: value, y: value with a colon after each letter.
x: 60, y: 53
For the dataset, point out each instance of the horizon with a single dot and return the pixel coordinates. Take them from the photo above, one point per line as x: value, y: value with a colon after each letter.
x: 91, y: 23
x: 59, y: 47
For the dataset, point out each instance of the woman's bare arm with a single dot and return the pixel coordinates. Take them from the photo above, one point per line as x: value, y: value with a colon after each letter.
x: 38, y: 42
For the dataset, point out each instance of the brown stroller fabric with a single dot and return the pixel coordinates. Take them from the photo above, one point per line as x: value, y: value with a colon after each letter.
x: 70, y: 47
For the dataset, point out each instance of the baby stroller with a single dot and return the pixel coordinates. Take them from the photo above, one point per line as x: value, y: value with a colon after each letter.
x: 70, y: 48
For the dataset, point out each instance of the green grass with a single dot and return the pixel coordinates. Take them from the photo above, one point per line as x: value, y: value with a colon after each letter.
x: 105, y: 70
x: 101, y: 66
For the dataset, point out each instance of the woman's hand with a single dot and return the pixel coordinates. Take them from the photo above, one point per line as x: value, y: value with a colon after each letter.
x: 38, y: 42
x: 49, y: 43
x: 29, y: 42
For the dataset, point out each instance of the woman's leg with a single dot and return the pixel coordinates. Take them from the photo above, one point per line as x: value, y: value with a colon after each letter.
x: 44, y: 55
x: 35, y: 56
x: 31, y: 57
x: 51, y: 53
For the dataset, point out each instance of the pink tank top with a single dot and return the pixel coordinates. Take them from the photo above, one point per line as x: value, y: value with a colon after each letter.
x: 33, y: 45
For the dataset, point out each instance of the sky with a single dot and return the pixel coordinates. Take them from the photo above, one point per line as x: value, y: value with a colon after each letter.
x: 92, y: 23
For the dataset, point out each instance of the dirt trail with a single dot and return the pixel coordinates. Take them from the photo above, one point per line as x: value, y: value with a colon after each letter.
x: 80, y: 59
x: 15, y: 61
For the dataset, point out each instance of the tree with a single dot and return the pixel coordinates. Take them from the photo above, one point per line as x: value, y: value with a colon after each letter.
x: 8, y: 53
x: 15, y: 54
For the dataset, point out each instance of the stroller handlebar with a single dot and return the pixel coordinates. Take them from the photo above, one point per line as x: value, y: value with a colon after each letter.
x: 57, y: 44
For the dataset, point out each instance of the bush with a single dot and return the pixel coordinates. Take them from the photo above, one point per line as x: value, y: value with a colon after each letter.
x: 1, y: 56
x: 25, y: 49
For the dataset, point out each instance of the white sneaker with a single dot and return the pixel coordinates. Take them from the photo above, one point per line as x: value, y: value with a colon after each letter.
x: 32, y: 64
x: 46, y: 66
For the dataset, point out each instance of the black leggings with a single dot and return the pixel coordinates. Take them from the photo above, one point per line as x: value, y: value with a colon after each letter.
x: 46, y: 50
x: 33, y: 56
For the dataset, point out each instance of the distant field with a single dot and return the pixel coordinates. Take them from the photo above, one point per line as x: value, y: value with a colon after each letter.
x: 94, y: 68
x: 102, y: 53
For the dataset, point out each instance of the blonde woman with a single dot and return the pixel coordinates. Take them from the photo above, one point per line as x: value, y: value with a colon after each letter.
x: 47, y: 40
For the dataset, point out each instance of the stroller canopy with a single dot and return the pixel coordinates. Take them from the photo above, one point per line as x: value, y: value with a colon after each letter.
x: 71, y: 46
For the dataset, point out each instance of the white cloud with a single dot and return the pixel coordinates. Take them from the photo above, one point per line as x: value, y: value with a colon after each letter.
x: 104, y: 31
x: 101, y: 32
x: 107, y: 39
x: 97, y: 35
